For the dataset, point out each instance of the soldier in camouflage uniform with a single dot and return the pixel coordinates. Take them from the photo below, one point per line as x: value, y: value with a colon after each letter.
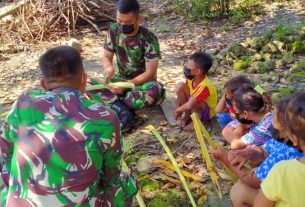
x: 59, y: 148
x: 137, y: 55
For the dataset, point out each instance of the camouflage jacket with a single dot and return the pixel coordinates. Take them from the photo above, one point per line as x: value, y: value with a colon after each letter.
x: 132, y: 52
x: 60, y: 149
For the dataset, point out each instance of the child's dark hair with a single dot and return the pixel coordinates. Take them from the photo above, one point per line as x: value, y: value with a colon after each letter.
x: 234, y: 83
x: 60, y: 62
x: 127, y: 6
x: 295, y: 115
x: 202, y: 60
x: 280, y: 110
x: 248, y: 99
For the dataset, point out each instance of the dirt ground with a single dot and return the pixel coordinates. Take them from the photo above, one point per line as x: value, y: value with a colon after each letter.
x: 178, y: 39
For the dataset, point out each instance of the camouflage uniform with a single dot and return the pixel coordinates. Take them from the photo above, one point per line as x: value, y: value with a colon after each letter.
x: 131, y: 55
x: 60, y: 149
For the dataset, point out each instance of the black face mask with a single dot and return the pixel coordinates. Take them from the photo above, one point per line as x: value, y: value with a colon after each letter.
x: 243, y: 120
x: 187, y: 73
x: 126, y: 28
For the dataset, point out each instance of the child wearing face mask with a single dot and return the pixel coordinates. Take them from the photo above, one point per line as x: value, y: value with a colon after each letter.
x: 197, y: 94
x: 251, y: 111
x: 263, y: 157
x: 284, y: 185
x: 225, y: 111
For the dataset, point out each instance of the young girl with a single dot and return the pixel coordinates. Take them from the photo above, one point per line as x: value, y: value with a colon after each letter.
x: 224, y: 108
x: 284, y: 185
x: 252, y: 112
x: 265, y: 156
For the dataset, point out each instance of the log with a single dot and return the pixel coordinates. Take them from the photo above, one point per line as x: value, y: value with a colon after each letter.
x: 4, y: 11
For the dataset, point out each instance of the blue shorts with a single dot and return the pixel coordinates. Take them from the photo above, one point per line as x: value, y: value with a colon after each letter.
x: 224, y: 118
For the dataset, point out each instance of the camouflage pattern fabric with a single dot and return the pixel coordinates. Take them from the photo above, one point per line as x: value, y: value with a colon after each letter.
x: 132, y: 52
x: 60, y: 149
x: 143, y: 95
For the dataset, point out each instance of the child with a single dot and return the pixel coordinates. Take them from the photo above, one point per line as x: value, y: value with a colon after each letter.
x: 251, y: 111
x: 224, y: 108
x: 198, y: 94
x: 265, y: 157
x: 225, y: 111
x: 284, y: 185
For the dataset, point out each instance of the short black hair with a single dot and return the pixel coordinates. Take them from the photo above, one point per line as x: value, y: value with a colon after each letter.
x: 202, y: 60
x: 247, y: 98
x: 127, y: 6
x: 60, y: 62
x: 234, y: 83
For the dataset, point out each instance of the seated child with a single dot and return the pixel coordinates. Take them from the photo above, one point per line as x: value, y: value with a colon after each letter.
x: 285, y: 182
x: 198, y: 94
x: 250, y: 110
x: 224, y: 109
x: 264, y: 156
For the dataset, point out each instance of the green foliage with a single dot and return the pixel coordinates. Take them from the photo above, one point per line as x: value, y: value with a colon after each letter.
x: 169, y: 198
x: 263, y: 67
x: 298, y: 47
x: 149, y: 185
x: 240, y: 64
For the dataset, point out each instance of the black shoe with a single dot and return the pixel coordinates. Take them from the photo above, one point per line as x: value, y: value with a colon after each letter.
x: 128, y: 118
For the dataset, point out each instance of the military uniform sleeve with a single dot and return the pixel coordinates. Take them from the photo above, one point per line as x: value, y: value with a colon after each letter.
x: 109, y: 43
x: 119, y: 185
x: 152, y: 48
x: 6, y: 147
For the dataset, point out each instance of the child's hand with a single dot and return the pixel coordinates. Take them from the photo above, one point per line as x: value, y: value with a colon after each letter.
x: 219, y: 153
x: 177, y: 113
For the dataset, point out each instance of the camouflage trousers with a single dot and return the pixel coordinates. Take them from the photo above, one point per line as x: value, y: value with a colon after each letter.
x: 144, y: 95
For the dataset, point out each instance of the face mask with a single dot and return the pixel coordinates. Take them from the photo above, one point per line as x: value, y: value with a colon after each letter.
x: 187, y: 73
x: 275, y: 133
x: 228, y: 101
x: 126, y: 28
x: 243, y: 120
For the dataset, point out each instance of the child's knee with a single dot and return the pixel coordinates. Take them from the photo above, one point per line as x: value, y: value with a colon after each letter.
x: 227, y: 132
x: 180, y: 86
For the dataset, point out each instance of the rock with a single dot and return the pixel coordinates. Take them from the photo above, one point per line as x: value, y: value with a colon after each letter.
x: 287, y: 58
x: 298, y: 47
x: 257, y: 57
x: 212, y: 51
x: 240, y: 64
x: 298, y: 66
x: 263, y: 67
x: 270, y: 48
x: 255, y: 42
x: 237, y: 49
x: 279, y: 45
x: 283, y: 80
x: 267, y: 56
x: 145, y: 164
x: 220, y: 70
x: 75, y: 44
